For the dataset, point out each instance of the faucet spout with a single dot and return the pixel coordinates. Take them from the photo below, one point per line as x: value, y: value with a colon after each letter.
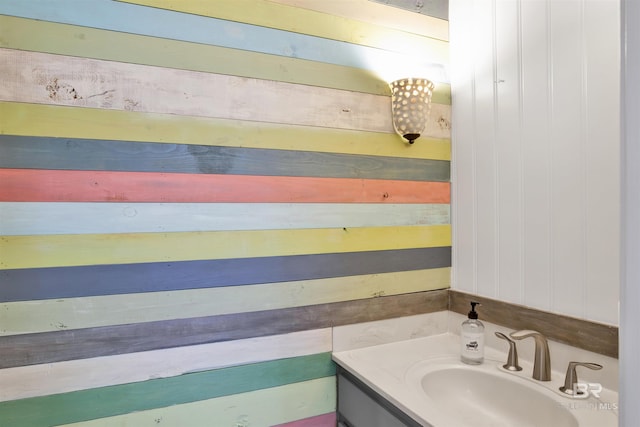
x: 542, y: 359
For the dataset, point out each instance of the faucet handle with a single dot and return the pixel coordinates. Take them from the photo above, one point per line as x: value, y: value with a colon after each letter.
x: 512, y: 358
x: 571, y: 379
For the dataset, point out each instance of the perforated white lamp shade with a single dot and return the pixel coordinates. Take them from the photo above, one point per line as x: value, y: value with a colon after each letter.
x: 410, y: 106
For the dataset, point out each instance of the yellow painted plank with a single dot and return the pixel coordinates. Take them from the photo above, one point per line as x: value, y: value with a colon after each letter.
x: 311, y: 22
x: 74, y: 313
x: 379, y: 14
x: 100, y: 249
x: 75, y: 122
x: 265, y: 407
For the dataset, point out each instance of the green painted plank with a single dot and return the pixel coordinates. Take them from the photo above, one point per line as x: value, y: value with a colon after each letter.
x: 24, y: 317
x: 269, y: 407
x: 123, y: 399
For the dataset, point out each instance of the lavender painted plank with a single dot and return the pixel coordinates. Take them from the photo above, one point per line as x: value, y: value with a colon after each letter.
x: 23, y: 152
x: 48, y: 347
x: 94, y: 280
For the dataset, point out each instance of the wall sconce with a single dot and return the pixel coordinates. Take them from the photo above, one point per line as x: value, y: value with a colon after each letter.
x: 410, y: 106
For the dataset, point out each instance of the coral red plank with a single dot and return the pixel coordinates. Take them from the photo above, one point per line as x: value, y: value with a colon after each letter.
x: 30, y: 185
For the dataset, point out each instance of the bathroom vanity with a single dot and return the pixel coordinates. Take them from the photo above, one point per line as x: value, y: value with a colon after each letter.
x: 422, y: 382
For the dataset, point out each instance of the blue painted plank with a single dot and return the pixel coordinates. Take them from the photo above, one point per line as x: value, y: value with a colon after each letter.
x: 69, y: 282
x: 26, y: 152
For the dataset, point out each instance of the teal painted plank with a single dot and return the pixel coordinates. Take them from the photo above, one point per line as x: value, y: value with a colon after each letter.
x: 129, y: 18
x: 104, y: 402
x: 261, y: 408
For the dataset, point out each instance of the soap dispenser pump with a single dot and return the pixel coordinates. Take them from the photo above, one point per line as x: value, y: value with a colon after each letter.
x: 472, y: 338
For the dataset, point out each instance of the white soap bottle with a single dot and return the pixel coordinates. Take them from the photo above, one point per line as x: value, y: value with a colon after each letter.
x: 472, y: 338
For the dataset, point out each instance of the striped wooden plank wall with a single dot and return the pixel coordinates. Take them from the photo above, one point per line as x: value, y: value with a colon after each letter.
x: 192, y: 194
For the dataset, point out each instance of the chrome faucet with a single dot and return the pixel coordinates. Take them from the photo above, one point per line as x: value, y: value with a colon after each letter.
x: 542, y: 360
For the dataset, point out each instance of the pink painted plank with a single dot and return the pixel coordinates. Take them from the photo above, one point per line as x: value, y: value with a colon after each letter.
x: 30, y: 185
x: 326, y: 420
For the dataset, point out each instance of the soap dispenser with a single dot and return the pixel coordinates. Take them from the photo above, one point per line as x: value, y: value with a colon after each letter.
x: 472, y: 338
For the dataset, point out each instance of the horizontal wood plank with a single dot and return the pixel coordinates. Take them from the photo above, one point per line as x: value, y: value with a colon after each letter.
x: 49, y: 347
x: 21, y: 152
x: 305, y: 21
x: 379, y: 14
x: 159, y: 393
x: 88, y: 312
x: 591, y: 336
x: 129, y: 18
x: 33, y: 185
x: 64, y: 39
x: 75, y: 122
x: 95, y: 280
x: 91, y: 249
x: 33, y: 218
x: 62, y: 377
x: 64, y: 80
x: 295, y: 401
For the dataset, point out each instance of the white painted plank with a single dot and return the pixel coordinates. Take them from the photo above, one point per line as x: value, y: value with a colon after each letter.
x: 568, y: 164
x: 367, y: 334
x: 508, y: 150
x: 61, y: 377
x: 267, y: 407
x: 602, y: 132
x: 463, y: 166
x: 536, y: 146
x: 62, y: 80
x: 34, y: 218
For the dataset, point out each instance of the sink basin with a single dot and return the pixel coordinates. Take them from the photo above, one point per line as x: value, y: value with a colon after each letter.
x: 481, y: 398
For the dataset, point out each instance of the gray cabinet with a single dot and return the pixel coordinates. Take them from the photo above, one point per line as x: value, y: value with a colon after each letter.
x: 360, y: 406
